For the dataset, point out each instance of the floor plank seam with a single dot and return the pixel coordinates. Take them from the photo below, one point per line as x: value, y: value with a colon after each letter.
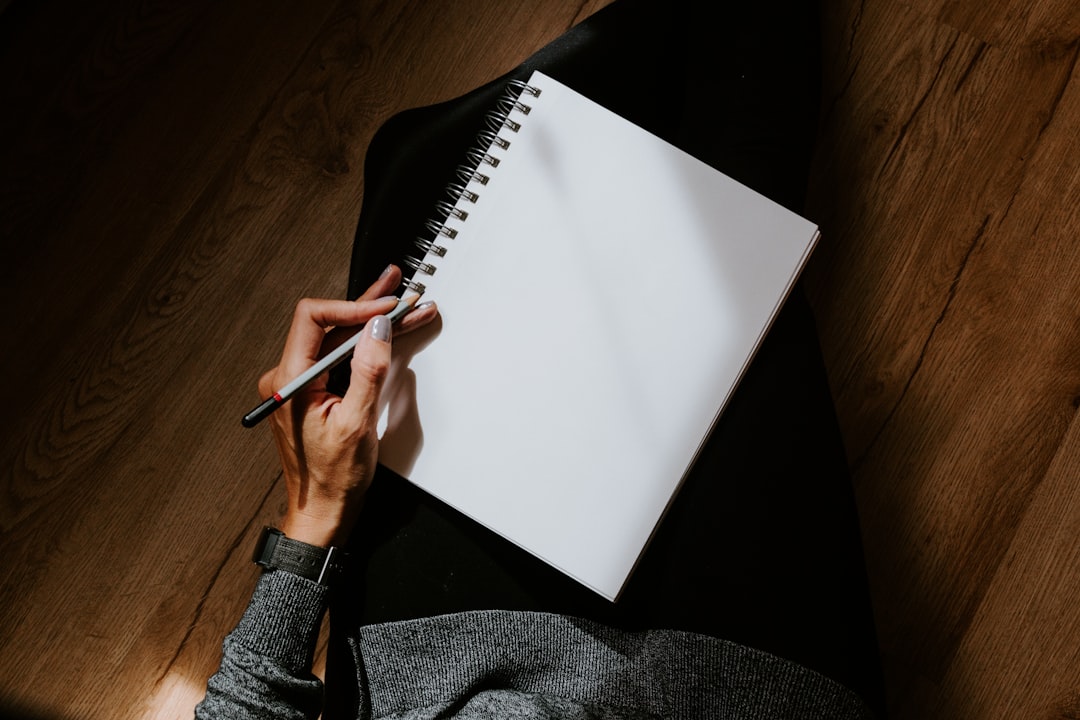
x: 919, y: 105
x: 1059, y: 95
x: 971, y: 66
x: 851, y: 63
x: 857, y: 464
x: 239, y: 538
x: 1030, y: 151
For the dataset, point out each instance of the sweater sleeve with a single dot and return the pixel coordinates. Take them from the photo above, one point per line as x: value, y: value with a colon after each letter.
x: 266, y: 662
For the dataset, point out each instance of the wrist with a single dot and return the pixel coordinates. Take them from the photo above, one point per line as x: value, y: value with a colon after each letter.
x: 320, y: 530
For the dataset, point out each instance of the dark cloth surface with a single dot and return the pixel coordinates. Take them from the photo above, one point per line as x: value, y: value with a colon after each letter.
x: 762, y: 544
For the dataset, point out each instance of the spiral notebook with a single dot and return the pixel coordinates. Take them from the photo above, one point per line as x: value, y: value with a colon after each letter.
x: 601, y: 294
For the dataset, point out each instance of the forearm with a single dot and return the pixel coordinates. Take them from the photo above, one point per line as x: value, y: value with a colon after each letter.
x: 265, y: 668
x: 328, y: 446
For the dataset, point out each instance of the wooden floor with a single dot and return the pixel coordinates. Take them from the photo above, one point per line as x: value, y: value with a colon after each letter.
x: 175, y: 174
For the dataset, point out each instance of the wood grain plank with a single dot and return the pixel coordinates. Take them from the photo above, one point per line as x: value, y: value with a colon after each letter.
x: 115, y: 493
x: 200, y: 301
x: 79, y: 272
x: 900, y: 162
x: 1008, y: 389
x: 1051, y: 26
x: 1020, y: 657
x: 946, y: 302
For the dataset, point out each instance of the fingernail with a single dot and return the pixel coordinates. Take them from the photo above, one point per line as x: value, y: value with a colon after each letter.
x: 387, y: 270
x: 424, y: 305
x: 380, y: 328
x: 384, y: 298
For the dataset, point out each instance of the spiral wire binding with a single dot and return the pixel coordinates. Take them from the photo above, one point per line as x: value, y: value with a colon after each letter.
x: 479, y: 156
x: 447, y: 209
x: 497, y: 122
x: 429, y: 247
x: 468, y: 173
x: 463, y: 192
x: 491, y: 138
x: 524, y: 88
x: 441, y: 228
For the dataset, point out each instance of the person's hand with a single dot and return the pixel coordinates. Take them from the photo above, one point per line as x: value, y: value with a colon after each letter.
x: 328, y: 444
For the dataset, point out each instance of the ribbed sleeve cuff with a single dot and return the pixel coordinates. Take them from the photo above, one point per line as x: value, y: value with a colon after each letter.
x: 282, y: 621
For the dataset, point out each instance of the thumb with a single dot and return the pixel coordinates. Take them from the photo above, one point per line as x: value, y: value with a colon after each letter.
x: 370, y: 364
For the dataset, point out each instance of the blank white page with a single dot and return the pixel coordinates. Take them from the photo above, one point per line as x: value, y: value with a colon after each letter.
x: 599, y: 305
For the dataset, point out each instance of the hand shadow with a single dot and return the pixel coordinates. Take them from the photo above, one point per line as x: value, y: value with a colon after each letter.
x: 403, y: 435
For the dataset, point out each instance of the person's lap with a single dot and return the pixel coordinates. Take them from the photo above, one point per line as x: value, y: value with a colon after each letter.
x: 761, y: 546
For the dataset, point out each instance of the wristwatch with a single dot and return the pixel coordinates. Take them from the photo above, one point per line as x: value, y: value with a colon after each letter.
x: 274, y: 551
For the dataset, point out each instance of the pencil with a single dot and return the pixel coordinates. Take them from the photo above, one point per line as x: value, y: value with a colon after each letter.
x: 272, y: 403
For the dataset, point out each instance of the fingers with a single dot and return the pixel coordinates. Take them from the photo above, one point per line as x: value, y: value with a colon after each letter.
x: 313, y: 317
x: 418, y: 317
x: 370, y: 364
x: 385, y: 284
x: 310, y: 321
x: 266, y: 383
x: 421, y: 315
x: 319, y: 325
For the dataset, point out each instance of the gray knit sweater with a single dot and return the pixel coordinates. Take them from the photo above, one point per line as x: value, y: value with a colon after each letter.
x: 501, y: 664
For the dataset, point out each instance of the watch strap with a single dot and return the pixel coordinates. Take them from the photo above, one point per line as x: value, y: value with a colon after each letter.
x: 275, y: 551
